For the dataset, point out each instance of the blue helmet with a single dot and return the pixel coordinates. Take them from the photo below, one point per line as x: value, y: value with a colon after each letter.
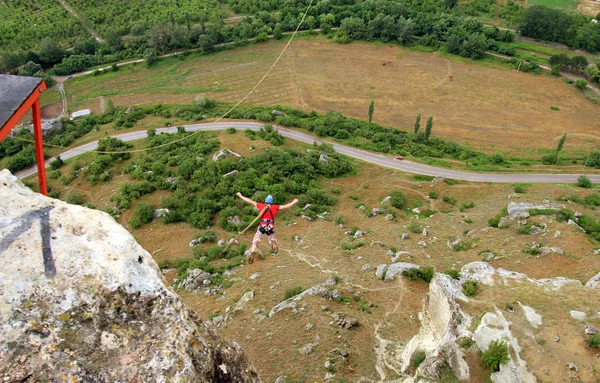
x: 269, y: 199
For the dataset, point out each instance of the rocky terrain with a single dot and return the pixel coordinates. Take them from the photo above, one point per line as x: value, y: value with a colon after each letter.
x: 81, y: 300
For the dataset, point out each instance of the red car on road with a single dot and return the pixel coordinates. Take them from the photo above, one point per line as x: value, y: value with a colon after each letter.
x: 399, y: 158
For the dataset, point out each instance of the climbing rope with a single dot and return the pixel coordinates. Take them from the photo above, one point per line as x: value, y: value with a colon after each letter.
x: 217, y: 120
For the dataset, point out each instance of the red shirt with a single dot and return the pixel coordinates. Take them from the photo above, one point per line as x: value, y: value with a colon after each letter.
x: 271, y: 213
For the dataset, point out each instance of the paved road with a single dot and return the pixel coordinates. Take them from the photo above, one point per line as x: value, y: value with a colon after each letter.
x: 377, y: 159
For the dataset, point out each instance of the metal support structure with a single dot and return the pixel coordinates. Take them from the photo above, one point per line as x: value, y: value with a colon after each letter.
x: 39, y: 146
x: 18, y: 95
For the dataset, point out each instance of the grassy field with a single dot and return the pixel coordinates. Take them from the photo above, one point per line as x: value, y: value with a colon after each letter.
x: 484, y: 105
x: 272, y: 344
x: 562, y: 4
x: 24, y: 24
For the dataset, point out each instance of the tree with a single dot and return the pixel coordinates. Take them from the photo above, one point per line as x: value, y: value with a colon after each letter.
x: 417, y: 124
x: 450, y: 3
x: 9, y: 62
x: 113, y: 40
x: 371, y: 110
x: 31, y: 69
x: 561, y: 143
x: 50, y: 53
x: 428, y: 128
x: 277, y: 32
x: 581, y: 84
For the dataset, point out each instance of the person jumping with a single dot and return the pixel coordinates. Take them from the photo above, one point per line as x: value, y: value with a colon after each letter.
x: 267, y: 222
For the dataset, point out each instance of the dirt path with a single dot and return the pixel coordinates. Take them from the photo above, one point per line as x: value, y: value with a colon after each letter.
x: 85, y: 25
x: 102, y: 106
x: 291, y: 56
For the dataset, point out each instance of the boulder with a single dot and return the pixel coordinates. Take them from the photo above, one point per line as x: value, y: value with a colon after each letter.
x: 397, y: 269
x: 504, y: 222
x: 171, y: 180
x: 594, y: 282
x: 578, y: 315
x: 389, y: 217
x: 520, y: 210
x: 232, y: 173
x: 195, y: 280
x: 386, y: 200
x: 375, y: 211
x: 452, y: 242
x: 345, y: 321
x: 438, y: 179
x: 404, y: 236
x: 81, y: 299
x: 247, y: 297
x: 275, y: 112
x: 50, y: 127
x: 235, y: 220
x: 324, y: 158
x: 229, y: 154
x: 381, y: 270
x: 158, y: 213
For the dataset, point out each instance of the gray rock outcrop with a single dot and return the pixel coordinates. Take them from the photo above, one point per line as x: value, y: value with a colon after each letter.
x: 229, y: 154
x: 50, y: 127
x: 442, y: 324
x: 82, y: 300
x: 520, y: 210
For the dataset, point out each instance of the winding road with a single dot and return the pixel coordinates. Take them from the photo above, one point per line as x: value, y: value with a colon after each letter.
x: 363, y: 155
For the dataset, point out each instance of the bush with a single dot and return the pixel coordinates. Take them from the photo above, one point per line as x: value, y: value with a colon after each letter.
x: 415, y: 228
x: 207, y: 236
x: 495, y: 355
x: 554, y: 107
x: 75, y: 198
x: 493, y: 222
x: 292, y: 292
x: 433, y: 194
x: 417, y: 358
x: 520, y: 189
x: 57, y: 163
x: 470, y: 288
x: 452, y: 273
x: 398, y: 199
x: 426, y: 274
x: 584, y: 182
x: 231, y: 130
x: 465, y: 206
x: 340, y: 219
x: 449, y: 200
x: 594, y: 341
x: 141, y: 215
x: 581, y: 84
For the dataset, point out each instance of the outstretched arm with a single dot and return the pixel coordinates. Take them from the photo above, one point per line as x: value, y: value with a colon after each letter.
x: 245, y: 199
x: 287, y: 206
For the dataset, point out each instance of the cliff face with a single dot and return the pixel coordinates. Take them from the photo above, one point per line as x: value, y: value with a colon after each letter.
x: 80, y: 299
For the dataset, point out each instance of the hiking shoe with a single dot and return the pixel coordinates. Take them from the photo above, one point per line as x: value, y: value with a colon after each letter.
x: 274, y: 248
x: 251, y: 259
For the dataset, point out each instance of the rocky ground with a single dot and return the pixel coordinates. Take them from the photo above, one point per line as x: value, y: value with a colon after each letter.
x: 355, y: 317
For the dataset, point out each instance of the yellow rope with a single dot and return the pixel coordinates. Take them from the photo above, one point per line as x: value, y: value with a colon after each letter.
x: 217, y: 120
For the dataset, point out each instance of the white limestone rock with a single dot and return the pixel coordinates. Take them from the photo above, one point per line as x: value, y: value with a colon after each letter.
x: 77, y: 280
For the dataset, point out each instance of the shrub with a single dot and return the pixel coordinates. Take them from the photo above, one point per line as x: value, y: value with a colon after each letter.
x: 581, y: 84
x: 520, y: 189
x: 353, y: 197
x: 495, y: 355
x: 465, y: 342
x: 426, y: 273
x: 207, y: 236
x: 470, y: 288
x: 449, y: 200
x: 452, y: 273
x: 57, y: 163
x: 231, y: 130
x: 164, y: 264
x: 584, y: 182
x: 292, y: 292
x: 433, y: 194
x: 417, y: 358
x: 554, y: 107
x: 594, y: 341
x: 75, y: 198
x: 465, y: 206
x: 141, y: 215
x: 340, y: 219
x: 398, y: 199
x: 468, y: 220
x: 493, y: 222
x: 335, y: 191
x: 414, y: 227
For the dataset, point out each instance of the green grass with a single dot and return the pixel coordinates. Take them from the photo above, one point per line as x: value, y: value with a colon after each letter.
x: 292, y: 292
x: 562, y: 4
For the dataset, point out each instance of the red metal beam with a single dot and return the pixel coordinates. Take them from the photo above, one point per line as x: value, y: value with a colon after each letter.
x: 39, y: 146
x: 33, y: 97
